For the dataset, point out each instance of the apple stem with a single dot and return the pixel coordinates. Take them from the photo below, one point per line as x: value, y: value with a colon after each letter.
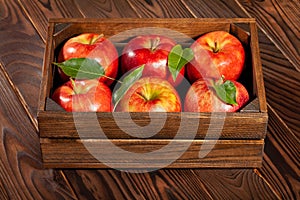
x: 74, y: 85
x: 155, y: 43
x: 216, y: 48
x: 94, y: 40
x: 141, y: 95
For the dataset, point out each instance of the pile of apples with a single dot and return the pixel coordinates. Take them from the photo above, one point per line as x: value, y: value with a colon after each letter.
x: 148, y: 74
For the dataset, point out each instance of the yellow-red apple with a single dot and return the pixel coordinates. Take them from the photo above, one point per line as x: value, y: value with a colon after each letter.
x: 150, y: 94
x: 216, y: 54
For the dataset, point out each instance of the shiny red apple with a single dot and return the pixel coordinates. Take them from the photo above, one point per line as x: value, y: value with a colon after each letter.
x: 84, y: 96
x: 94, y: 46
x: 216, y: 54
x: 202, y: 97
x: 150, y: 94
x: 151, y: 51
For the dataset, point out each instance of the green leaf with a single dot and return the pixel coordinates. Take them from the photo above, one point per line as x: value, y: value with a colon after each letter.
x: 81, y: 68
x: 126, y: 84
x: 177, y: 58
x: 226, y: 92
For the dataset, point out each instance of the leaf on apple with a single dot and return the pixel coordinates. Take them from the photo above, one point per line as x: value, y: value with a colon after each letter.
x: 126, y: 84
x: 177, y: 58
x: 81, y: 68
x: 226, y: 92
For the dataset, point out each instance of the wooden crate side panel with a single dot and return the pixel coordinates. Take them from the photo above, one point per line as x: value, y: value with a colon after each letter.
x: 258, y: 81
x: 129, y: 27
x: 87, y: 125
x: 225, y: 153
x: 46, y: 83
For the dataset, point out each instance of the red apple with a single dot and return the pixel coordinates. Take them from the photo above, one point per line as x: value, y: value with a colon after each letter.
x: 84, y: 96
x: 153, y: 51
x: 150, y: 94
x: 94, y: 46
x: 216, y: 54
x: 201, y: 97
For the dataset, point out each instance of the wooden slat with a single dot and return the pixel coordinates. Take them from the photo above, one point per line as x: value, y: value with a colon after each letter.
x: 67, y: 153
x: 87, y: 125
x: 257, y: 71
x: 21, y: 172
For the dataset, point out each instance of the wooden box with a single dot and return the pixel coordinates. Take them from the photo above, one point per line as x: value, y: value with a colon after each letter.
x: 220, y: 140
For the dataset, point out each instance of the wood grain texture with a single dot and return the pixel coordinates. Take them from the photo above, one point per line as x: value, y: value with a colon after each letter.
x: 21, y: 171
x: 105, y: 9
x: 21, y: 54
x: 170, y: 184
x: 103, y: 184
x: 160, y: 9
x: 281, y: 160
x: 282, y: 84
x: 280, y: 21
x: 40, y: 11
x: 214, y: 9
x: 151, y: 153
x: 244, y: 125
x: 235, y: 184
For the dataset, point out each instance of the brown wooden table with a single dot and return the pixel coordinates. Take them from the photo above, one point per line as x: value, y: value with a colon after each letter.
x: 23, y: 26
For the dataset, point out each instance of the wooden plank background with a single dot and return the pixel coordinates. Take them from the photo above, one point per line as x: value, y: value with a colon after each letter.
x: 23, y: 33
